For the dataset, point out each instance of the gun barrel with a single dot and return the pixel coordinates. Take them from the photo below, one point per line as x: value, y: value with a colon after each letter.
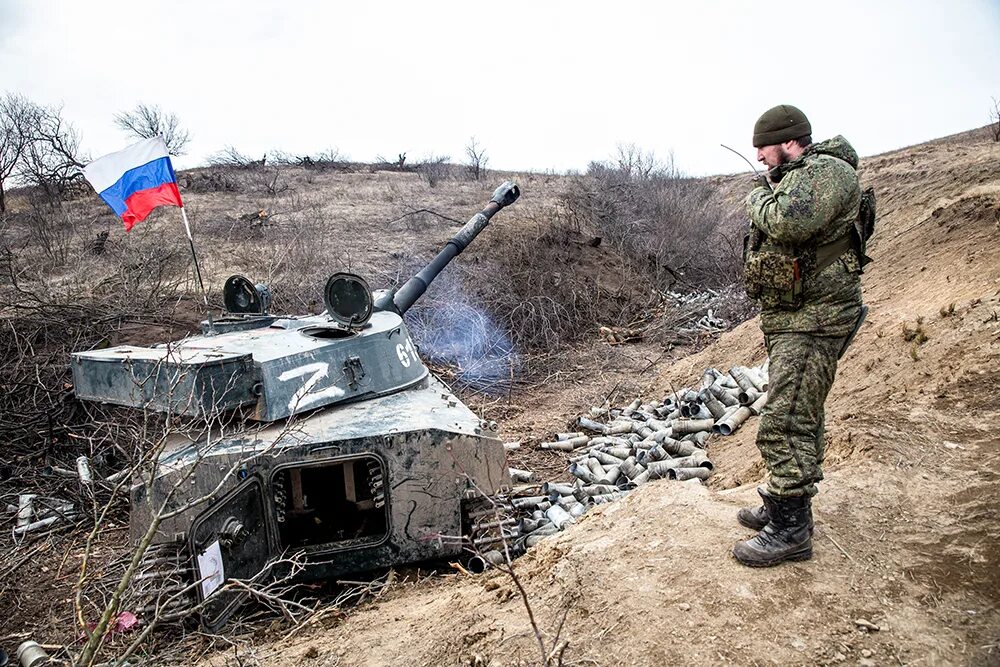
x: 414, y: 288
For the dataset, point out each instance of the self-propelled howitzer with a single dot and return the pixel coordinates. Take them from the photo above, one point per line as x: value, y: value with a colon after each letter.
x: 329, y: 440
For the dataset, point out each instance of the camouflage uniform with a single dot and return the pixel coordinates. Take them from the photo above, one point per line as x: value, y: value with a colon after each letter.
x: 815, y: 202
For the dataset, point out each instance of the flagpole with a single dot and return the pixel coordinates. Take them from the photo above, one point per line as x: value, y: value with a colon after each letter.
x: 197, y: 271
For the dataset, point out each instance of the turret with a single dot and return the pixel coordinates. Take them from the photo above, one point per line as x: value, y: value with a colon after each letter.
x: 274, y: 367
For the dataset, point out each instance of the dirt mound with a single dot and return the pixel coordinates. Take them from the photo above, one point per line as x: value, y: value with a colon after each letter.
x: 907, y: 533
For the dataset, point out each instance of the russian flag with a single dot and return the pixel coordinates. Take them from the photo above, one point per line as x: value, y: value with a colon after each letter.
x: 136, y: 180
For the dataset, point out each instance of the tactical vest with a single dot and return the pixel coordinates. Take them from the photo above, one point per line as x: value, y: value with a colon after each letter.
x: 778, y: 279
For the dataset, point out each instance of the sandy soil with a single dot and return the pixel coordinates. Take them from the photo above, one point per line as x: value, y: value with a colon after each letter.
x: 907, y: 537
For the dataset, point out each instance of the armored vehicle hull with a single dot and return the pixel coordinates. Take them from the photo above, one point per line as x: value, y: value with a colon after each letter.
x: 352, y: 488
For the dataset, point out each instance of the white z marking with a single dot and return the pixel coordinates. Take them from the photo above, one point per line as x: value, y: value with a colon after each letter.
x: 302, y: 398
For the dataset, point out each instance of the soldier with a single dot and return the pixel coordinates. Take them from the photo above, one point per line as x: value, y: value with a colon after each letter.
x: 801, y: 264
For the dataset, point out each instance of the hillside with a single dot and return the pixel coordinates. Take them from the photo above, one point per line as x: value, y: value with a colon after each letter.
x: 907, y: 532
x: 907, y: 528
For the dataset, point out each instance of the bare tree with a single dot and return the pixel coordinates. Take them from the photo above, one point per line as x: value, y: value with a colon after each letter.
x: 17, y: 117
x: 51, y: 160
x: 995, y: 119
x: 148, y: 120
x: 476, y: 159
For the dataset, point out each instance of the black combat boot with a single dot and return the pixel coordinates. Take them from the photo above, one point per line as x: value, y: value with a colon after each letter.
x: 755, y: 518
x: 787, y: 537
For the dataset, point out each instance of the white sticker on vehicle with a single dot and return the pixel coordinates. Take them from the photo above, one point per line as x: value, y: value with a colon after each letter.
x: 210, y: 570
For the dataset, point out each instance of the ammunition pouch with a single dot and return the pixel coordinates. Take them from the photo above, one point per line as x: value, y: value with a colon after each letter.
x: 776, y: 279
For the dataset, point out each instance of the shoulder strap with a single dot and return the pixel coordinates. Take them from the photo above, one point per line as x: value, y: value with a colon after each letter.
x: 828, y: 253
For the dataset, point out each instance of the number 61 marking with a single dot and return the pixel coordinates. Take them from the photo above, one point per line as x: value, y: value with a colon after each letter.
x: 406, y: 353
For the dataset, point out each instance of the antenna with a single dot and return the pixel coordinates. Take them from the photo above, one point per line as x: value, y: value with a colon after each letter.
x: 742, y: 157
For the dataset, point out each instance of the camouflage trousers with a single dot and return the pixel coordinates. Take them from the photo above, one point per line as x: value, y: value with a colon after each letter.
x: 790, y: 433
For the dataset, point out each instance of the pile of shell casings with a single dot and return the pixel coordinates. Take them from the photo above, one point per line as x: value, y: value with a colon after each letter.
x: 617, y: 450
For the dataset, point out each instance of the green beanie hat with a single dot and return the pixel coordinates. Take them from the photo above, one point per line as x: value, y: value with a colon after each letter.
x: 780, y: 124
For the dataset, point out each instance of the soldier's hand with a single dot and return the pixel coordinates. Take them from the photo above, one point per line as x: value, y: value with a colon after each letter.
x: 760, y: 181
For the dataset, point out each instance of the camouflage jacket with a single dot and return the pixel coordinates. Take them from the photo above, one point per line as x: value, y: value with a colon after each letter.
x: 815, y: 202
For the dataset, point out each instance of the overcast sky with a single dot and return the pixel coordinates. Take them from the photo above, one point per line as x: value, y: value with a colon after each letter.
x: 542, y: 85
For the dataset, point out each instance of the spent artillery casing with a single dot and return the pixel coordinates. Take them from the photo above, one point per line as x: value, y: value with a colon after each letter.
x: 83, y: 470
x: 742, y: 380
x: 606, y: 458
x: 619, y: 452
x: 683, y: 426
x: 571, y: 443
x: 641, y: 478
x: 681, y: 474
x: 559, y: 517
x: 540, y: 534
x: 728, y: 425
x: 532, y: 524
x: 557, y: 446
x: 582, y: 471
x: 559, y: 488
x: 25, y: 508
x: 725, y: 396
x: 42, y: 523
x: 598, y: 489
x: 590, y: 425
x: 680, y: 447
x: 608, y: 497
x: 528, y: 501
x: 714, y: 405
x: 632, y: 407
x: 748, y: 398
x: 698, y: 459
x: 519, y: 475
x: 30, y: 654
x: 758, y: 381
x: 631, y: 469
x: 611, y: 475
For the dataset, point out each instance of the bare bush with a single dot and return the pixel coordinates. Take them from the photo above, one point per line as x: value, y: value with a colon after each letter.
x: 434, y: 168
x: 655, y: 215
x: 994, y: 115
x: 50, y: 229
x: 330, y: 158
x: 17, y: 120
x: 148, y: 120
x: 230, y: 157
x: 399, y: 164
x: 211, y: 179
x: 476, y: 159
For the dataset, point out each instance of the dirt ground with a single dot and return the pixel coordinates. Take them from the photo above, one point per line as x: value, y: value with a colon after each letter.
x: 907, y: 536
x: 907, y: 546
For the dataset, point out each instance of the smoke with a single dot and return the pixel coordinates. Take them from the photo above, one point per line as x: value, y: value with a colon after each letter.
x: 453, y: 331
